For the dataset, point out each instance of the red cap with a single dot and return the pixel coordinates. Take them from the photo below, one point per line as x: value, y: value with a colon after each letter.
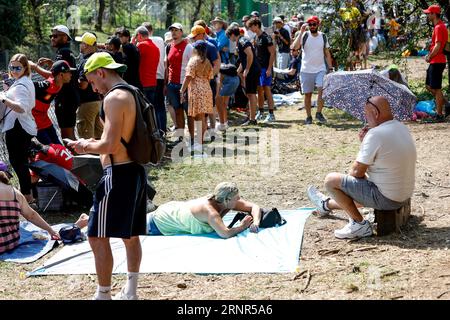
x: 313, y: 19
x: 207, y: 31
x: 435, y: 8
x: 241, y: 31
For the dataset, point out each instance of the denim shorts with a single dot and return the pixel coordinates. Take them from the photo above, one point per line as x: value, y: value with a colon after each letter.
x: 229, y: 86
x: 264, y: 80
x: 366, y: 193
x: 309, y: 80
x: 152, y: 229
x: 173, y: 94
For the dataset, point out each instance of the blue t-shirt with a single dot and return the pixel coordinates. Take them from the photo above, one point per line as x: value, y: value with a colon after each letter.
x: 213, y: 41
x: 211, y: 52
x: 223, y: 42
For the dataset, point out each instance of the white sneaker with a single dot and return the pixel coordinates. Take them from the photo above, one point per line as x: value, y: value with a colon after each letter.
x: 196, y: 147
x: 319, y: 200
x: 259, y: 116
x: 222, y: 127
x: 354, y: 230
x: 122, y: 296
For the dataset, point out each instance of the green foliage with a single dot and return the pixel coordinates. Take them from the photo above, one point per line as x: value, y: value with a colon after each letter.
x: 11, y: 28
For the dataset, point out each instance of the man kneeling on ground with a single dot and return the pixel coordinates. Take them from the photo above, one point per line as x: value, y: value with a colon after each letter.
x: 201, y: 215
x: 382, y: 177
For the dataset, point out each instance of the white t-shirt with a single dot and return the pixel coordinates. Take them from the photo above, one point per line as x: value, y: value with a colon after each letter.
x: 390, y: 152
x: 313, y: 57
x: 159, y: 42
x: 23, y: 93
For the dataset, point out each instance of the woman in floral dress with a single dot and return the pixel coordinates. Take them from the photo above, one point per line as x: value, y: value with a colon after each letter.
x: 198, y: 73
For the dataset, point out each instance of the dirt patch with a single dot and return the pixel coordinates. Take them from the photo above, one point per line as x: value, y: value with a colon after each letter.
x: 411, y: 265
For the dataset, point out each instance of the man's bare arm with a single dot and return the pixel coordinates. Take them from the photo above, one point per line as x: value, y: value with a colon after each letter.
x: 247, y: 206
x: 358, y: 170
x: 216, y: 222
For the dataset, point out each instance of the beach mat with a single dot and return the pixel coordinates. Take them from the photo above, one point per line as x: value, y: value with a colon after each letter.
x: 272, y: 250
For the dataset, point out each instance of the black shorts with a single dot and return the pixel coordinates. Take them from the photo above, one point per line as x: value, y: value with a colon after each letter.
x: 120, y: 203
x: 252, y: 82
x: 213, y: 84
x: 434, y: 75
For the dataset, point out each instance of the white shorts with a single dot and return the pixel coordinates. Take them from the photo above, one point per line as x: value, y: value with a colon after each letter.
x: 311, y: 80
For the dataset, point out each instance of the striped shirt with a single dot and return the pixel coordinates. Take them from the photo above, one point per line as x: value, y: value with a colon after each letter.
x: 9, y: 224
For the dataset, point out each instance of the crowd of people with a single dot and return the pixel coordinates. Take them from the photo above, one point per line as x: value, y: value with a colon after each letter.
x: 192, y: 79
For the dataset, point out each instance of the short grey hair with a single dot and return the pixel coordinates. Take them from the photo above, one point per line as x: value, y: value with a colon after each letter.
x: 224, y: 192
x: 142, y: 31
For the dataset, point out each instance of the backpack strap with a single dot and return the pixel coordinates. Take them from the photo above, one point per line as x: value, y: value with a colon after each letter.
x: 131, y: 89
x: 305, y: 37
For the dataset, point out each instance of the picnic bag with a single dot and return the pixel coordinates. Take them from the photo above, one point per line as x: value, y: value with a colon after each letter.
x: 70, y: 234
x: 270, y: 218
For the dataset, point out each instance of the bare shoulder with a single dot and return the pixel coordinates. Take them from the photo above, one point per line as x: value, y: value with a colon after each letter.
x: 119, y: 99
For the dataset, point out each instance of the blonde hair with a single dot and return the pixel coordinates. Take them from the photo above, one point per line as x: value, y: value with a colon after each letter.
x: 23, y: 61
x: 4, y: 178
x: 224, y: 193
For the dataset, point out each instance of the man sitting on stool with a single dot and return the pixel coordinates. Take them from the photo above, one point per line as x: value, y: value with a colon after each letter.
x: 382, y: 177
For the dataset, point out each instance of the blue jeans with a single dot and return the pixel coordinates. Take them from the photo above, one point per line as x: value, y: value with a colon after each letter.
x: 152, y: 229
x: 160, y: 107
x: 173, y: 94
x: 48, y: 136
x: 150, y: 93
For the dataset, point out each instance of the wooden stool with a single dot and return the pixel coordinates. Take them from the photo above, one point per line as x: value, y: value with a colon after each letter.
x: 389, y: 221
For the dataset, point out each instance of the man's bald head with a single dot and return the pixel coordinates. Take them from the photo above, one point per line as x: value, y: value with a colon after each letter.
x: 378, y: 110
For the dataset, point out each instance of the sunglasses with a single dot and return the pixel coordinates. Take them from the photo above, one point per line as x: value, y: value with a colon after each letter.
x: 373, y: 104
x: 312, y: 24
x: 15, y: 68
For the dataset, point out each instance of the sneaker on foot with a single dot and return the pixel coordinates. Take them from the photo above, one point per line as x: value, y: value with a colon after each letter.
x: 308, y: 121
x: 320, y: 118
x: 353, y: 230
x: 222, y: 127
x: 249, y: 123
x: 122, y: 296
x: 259, y: 116
x: 269, y: 118
x: 319, y: 200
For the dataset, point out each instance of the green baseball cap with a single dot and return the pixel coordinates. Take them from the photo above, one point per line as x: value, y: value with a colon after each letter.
x: 103, y: 60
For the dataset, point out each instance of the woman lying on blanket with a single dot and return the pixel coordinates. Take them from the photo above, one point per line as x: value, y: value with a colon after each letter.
x: 12, y: 205
x: 201, y: 215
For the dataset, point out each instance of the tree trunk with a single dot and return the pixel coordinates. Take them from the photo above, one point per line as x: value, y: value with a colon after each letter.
x: 198, y: 7
x: 211, y: 11
x: 231, y: 7
x: 101, y: 11
x: 112, y: 13
x: 171, y: 10
x: 37, y: 18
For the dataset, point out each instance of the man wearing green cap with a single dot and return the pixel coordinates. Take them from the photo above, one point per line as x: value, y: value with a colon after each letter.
x: 119, y: 209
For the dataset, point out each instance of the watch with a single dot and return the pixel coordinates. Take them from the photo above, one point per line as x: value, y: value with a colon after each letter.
x: 3, y: 100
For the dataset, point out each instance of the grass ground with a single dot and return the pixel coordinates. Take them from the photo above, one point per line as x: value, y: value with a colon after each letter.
x: 413, y: 264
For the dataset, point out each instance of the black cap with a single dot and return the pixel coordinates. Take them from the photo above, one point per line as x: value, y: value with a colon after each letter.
x: 61, y: 66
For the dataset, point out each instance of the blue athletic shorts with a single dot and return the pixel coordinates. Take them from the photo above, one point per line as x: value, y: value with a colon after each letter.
x: 265, y: 81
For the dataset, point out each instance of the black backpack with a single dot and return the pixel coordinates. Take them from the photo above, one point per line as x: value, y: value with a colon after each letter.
x: 147, y: 143
x: 269, y: 218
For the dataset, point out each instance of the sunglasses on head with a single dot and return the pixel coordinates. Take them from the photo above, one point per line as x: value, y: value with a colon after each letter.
x: 373, y: 104
x: 15, y: 68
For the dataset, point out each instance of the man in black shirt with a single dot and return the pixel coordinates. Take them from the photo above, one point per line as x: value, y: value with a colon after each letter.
x: 248, y: 70
x: 68, y: 99
x: 265, y: 52
x: 113, y: 48
x: 88, y: 120
x: 131, y: 58
x: 283, y: 40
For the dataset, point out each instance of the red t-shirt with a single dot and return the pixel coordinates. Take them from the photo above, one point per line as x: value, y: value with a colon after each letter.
x: 46, y: 91
x: 148, y: 64
x: 440, y: 34
x: 178, y: 58
x: 57, y: 154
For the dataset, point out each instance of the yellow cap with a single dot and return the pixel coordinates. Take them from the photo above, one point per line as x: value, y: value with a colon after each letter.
x: 103, y: 60
x: 196, y: 30
x: 87, y: 38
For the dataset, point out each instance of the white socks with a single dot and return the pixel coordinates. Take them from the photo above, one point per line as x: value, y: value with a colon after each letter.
x: 103, y: 293
x: 131, y: 286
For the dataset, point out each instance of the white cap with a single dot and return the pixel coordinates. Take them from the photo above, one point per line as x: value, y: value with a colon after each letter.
x: 277, y: 19
x: 176, y: 25
x: 63, y: 29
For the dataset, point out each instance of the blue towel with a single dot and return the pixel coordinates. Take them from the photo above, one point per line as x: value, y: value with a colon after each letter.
x: 29, y: 249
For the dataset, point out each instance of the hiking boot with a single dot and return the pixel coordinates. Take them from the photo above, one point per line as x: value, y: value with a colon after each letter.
x: 259, y: 116
x: 308, y: 121
x: 353, y: 230
x: 320, y: 118
x: 249, y: 123
x: 122, y: 296
x: 269, y: 118
x: 319, y: 200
